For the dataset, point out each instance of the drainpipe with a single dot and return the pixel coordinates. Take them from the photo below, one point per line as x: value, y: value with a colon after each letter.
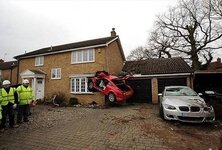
x: 17, y: 72
x: 107, y: 61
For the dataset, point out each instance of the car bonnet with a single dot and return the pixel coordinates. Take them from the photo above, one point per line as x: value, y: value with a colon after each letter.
x: 184, y: 101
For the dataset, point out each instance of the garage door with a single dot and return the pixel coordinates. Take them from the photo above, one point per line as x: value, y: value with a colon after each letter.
x: 142, y: 90
x: 170, y: 82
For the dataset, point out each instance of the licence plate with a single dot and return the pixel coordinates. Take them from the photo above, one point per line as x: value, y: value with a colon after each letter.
x: 184, y: 114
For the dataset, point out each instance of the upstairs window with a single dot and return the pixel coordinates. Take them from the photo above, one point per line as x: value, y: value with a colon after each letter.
x: 56, y: 73
x: 39, y: 61
x: 83, y: 56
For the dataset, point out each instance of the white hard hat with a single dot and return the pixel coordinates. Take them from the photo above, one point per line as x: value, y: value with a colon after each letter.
x: 6, y: 82
x: 25, y: 81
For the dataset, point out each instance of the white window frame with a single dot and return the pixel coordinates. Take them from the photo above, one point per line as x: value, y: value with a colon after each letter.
x: 74, y: 85
x: 77, y: 56
x: 58, y: 71
x: 39, y: 61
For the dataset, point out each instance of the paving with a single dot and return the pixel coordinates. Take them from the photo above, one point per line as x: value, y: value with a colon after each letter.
x: 121, y: 127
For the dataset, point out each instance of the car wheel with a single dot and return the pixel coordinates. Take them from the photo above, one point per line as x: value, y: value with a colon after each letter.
x: 111, y: 97
x: 161, y: 113
x: 91, y: 86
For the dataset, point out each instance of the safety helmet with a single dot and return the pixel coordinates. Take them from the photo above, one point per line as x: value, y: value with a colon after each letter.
x: 6, y: 82
x: 25, y: 81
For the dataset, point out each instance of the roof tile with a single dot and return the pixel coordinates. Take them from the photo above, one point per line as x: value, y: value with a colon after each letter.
x: 61, y: 48
x: 152, y: 66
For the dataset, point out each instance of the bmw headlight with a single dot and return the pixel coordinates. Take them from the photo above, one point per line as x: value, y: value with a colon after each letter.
x: 167, y: 106
x: 208, y: 108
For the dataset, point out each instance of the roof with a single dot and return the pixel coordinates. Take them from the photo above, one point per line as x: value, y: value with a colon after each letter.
x: 215, y: 66
x: 77, y: 45
x: 153, y: 66
x: 37, y: 72
x: 8, y: 65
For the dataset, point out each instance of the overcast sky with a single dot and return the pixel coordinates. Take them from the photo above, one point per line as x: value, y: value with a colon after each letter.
x: 27, y: 25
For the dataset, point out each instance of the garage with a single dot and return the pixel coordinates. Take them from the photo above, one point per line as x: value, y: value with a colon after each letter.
x: 150, y: 76
x: 142, y: 90
x: 162, y: 82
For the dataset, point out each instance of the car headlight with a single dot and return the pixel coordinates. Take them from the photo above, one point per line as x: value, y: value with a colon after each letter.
x: 208, y: 108
x: 169, y: 107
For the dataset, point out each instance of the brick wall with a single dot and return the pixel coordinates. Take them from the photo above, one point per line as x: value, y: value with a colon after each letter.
x: 154, y: 84
x: 10, y: 75
x: 114, y: 59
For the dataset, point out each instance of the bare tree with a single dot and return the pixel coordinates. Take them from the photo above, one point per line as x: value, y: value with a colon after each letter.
x: 160, y: 43
x: 140, y: 53
x: 189, y: 29
x: 216, y: 6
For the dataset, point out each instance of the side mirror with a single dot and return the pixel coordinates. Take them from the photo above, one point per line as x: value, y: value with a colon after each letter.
x: 160, y: 94
x: 200, y: 94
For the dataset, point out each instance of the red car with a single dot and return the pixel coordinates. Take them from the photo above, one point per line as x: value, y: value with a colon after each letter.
x: 112, y: 87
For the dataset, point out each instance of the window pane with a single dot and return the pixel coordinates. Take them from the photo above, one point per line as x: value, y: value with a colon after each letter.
x: 91, y: 55
x: 58, y: 73
x: 85, y: 55
x: 79, y: 56
x: 74, y: 56
x: 83, y: 85
x: 53, y: 73
x: 72, y: 85
x: 40, y: 60
x: 77, y: 85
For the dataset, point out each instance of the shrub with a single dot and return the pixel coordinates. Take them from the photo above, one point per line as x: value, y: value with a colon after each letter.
x: 73, y: 101
x: 59, y: 99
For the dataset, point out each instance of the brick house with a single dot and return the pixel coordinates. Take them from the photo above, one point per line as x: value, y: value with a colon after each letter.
x: 152, y: 75
x: 66, y: 68
x: 8, y: 71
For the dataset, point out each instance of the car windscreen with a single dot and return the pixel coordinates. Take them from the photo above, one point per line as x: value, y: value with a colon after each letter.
x: 120, y: 84
x: 180, y: 91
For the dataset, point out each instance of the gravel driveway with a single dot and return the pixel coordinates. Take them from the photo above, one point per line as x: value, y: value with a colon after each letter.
x: 123, y: 127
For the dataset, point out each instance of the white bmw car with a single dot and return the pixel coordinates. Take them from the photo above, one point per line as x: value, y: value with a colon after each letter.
x: 183, y: 104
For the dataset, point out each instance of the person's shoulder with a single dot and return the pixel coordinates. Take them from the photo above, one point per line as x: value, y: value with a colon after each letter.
x: 19, y: 87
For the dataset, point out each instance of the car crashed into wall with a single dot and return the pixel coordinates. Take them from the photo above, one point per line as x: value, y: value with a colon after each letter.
x: 114, y: 88
x: 183, y: 104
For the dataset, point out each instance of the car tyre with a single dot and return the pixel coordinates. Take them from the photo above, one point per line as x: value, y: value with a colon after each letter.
x: 161, y: 113
x: 111, y: 97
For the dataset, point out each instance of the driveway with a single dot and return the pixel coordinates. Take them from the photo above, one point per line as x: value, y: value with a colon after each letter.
x: 123, y: 127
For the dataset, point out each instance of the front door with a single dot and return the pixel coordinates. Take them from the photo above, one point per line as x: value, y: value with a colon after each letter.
x: 39, y: 88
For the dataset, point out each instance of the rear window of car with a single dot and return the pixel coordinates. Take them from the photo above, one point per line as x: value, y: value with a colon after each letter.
x: 120, y: 84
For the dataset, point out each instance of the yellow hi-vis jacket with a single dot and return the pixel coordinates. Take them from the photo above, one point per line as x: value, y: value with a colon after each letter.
x: 25, y: 95
x: 5, y: 97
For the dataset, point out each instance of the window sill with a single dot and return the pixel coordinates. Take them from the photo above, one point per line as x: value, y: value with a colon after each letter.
x: 38, y: 65
x: 55, y: 78
x: 85, y: 62
x: 81, y: 93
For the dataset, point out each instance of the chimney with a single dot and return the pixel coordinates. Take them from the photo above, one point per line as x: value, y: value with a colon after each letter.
x: 113, y: 32
x: 218, y: 61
